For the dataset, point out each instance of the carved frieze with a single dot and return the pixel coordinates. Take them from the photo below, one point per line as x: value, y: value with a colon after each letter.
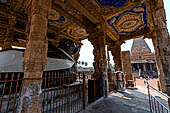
x: 92, y: 7
x: 76, y: 32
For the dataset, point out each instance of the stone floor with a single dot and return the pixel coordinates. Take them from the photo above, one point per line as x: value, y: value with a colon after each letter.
x: 128, y: 101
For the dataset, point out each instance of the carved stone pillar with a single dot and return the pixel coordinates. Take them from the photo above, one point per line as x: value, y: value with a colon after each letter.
x: 34, y: 57
x: 126, y: 64
x: 116, y: 53
x: 138, y: 67
x: 100, y: 63
x: 161, y: 41
x: 9, y: 34
x: 150, y: 67
x: 76, y: 57
x: 144, y: 66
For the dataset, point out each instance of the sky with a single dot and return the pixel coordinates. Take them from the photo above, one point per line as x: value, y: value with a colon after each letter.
x: 86, y: 52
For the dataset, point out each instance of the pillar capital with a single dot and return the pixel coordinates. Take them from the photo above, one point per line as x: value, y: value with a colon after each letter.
x: 94, y: 36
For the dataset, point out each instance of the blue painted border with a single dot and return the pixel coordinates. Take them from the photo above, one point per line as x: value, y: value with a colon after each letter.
x: 114, y: 3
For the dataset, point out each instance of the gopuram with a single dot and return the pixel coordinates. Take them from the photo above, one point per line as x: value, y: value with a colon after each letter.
x: 142, y: 59
x: 41, y: 25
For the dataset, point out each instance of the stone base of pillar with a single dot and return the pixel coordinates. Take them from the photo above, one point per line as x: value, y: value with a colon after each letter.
x: 130, y: 83
x: 111, y: 81
x: 31, y: 97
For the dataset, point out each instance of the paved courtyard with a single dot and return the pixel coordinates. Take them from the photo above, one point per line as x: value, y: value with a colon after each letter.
x: 152, y: 82
x: 128, y: 101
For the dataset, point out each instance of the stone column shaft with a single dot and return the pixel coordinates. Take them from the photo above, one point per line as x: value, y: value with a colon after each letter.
x: 150, y: 67
x: 161, y: 41
x: 34, y: 57
x: 126, y: 64
x: 76, y: 57
x: 137, y: 66
x: 100, y: 63
x: 144, y: 66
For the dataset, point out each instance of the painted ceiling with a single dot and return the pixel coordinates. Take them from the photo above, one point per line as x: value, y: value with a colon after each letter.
x: 74, y: 31
x: 56, y: 19
x: 128, y: 21
x: 73, y: 18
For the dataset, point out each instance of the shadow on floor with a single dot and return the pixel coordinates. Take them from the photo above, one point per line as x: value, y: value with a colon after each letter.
x: 121, y: 102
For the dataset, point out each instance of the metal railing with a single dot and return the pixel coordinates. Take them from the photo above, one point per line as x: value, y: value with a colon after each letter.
x: 156, y: 106
x: 61, y: 92
x: 10, y: 87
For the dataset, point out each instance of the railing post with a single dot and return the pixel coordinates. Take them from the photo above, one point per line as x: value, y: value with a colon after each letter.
x: 84, y: 91
x: 147, y: 84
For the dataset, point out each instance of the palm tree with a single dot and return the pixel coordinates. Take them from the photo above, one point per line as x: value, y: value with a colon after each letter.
x: 86, y: 63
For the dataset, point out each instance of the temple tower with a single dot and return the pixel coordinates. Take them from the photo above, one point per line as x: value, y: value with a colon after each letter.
x: 142, y: 59
x: 139, y: 47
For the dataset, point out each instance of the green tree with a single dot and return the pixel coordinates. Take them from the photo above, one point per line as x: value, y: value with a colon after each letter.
x: 91, y: 69
x: 82, y: 62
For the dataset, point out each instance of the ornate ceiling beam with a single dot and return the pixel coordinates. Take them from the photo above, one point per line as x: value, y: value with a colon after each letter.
x: 83, y: 11
x: 94, y: 35
x: 134, y: 3
x: 51, y: 29
x: 65, y: 26
x: 65, y: 13
x: 14, y: 28
x: 105, y: 28
x: 112, y: 43
x: 69, y: 37
x: 134, y: 35
x: 14, y: 43
x: 19, y: 44
x: 9, y: 33
x: 7, y: 11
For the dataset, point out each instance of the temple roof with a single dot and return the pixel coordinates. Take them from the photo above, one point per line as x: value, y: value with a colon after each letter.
x: 80, y: 19
x: 140, y: 45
